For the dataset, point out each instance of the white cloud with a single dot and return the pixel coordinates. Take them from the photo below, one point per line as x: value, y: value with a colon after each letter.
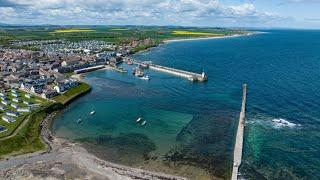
x: 179, y: 12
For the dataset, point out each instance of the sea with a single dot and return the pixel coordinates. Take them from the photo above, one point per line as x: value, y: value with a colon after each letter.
x: 190, y: 127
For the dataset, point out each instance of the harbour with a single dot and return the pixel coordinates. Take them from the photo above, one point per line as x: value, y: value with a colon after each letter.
x: 177, y: 72
x: 201, y: 119
x: 238, y: 148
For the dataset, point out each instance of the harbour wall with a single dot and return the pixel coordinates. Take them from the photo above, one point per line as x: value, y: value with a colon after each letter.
x: 185, y: 74
x: 238, y: 148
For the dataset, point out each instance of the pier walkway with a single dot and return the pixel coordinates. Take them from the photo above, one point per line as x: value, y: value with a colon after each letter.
x: 186, y: 74
x: 237, y: 153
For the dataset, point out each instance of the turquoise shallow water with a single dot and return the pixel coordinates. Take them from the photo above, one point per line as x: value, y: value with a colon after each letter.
x: 193, y: 124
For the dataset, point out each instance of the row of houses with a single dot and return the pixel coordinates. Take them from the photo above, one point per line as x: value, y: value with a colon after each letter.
x: 5, y: 106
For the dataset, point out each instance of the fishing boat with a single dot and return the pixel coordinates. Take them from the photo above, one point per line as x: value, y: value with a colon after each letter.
x: 139, y: 119
x: 92, y: 112
x: 144, y: 123
x: 79, y: 121
x: 138, y: 72
x: 145, y: 78
x: 120, y: 69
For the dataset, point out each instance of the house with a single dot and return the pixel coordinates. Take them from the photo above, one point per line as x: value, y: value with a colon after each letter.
x: 3, y: 108
x: 70, y: 63
x: 24, y: 110
x: 11, y: 79
x: 28, y: 96
x: 8, y: 119
x: 15, y: 95
x: 12, y: 113
x: 13, y: 90
x: 37, y: 88
x: 27, y: 103
x: 4, y: 98
x: 65, y: 85
x: 17, y: 100
x: 3, y: 94
x: 2, y: 129
x: 49, y: 93
x: 14, y: 105
x: 4, y: 102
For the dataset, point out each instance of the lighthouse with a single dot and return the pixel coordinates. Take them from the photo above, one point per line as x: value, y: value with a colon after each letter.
x: 203, y: 76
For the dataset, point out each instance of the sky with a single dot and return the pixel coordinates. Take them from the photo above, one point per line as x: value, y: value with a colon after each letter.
x: 208, y: 13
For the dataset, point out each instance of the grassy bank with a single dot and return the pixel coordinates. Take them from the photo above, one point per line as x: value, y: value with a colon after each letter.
x: 11, y: 127
x: 73, y: 93
x: 27, y: 139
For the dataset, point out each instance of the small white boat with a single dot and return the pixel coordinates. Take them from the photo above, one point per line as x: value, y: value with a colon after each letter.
x: 145, y: 78
x: 139, y: 119
x: 144, y: 123
x: 92, y: 112
x: 79, y: 121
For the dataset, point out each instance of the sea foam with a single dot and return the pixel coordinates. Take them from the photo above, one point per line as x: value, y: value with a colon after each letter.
x: 278, y: 123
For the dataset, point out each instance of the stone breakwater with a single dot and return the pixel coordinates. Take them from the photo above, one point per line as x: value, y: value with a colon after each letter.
x: 237, y: 155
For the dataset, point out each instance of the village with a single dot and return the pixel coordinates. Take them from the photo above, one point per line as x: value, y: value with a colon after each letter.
x: 29, y: 79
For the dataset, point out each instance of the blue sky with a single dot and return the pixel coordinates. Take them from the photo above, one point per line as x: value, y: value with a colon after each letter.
x: 221, y: 13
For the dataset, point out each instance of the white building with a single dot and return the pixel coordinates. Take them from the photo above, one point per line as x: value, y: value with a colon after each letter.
x: 15, y: 94
x: 14, y: 106
x: 28, y: 96
x: 23, y: 110
x: 4, y: 102
x: 16, y: 100
x: 13, y: 114
x: 8, y: 119
x: 27, y: 103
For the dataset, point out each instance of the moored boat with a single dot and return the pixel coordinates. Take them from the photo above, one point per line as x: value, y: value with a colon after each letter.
x: 144, y: 123
x: 139, y: 119
x: 79, y: 121
x: 120, y: 69
x: 138, y: 72
x: 145, y: 78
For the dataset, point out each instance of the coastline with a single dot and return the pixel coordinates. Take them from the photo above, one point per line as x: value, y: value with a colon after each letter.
x: 61, y: 154
x: 58, y: 146
x: 64, y: 159
x: 206, y: 38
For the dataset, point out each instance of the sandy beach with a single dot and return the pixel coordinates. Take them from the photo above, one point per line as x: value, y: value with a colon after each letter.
x: 204, y: 38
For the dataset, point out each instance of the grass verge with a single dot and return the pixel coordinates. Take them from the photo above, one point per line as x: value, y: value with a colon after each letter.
x: 73, y: 93
x: 28, y: 139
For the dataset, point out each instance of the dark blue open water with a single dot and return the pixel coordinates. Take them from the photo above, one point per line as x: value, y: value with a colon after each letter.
x: 191, y: 126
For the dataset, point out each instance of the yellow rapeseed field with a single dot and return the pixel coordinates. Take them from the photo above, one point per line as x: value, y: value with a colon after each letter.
x: 73, y: 30
x: 119, y: 29
x: 194, y: 33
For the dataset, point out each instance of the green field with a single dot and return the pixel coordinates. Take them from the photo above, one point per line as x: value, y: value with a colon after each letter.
x: 27, y: 138
x: 72, y: 30
x: 112, y: 34
x: 72, y: 93
x: 11, y: 127
x: 195, y: 33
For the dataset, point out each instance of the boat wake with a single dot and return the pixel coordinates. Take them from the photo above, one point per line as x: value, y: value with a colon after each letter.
x: 275, y: 123
x: 279, y: 123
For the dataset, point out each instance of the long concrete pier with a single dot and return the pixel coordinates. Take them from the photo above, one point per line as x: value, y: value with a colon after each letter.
x: 237, y: 153
x: 177, y: 72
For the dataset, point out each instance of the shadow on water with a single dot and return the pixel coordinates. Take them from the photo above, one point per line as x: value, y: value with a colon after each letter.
x: 130, y: 149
